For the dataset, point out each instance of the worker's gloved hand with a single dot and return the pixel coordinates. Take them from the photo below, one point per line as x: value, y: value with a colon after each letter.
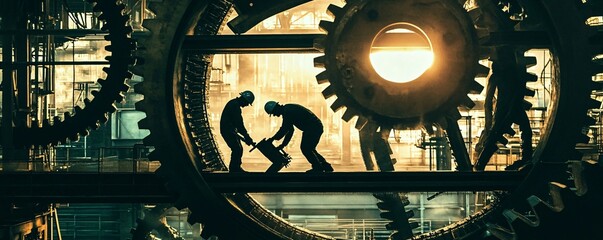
x: 269, y: 139
x: 248, y: 141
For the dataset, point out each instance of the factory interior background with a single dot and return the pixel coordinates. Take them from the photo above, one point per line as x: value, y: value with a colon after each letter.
x: 55, y: 61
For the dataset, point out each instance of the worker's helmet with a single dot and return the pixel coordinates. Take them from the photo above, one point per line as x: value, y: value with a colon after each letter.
x: 270, y: 106
x: 248, y: 96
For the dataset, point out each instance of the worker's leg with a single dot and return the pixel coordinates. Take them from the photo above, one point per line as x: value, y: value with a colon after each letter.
x: 489, y: 149
x: 234, y: 143
x: 308, y: 148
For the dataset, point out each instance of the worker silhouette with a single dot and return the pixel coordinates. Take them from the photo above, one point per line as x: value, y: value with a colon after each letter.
x: 310, y: 125
x: 233, y: 130
x: 509, y: 109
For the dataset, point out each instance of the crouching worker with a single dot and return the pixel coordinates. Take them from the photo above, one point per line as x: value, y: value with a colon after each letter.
x: 311, y: 127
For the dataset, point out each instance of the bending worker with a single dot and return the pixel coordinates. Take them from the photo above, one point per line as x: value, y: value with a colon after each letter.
x: 311, y: 127
x: 233, y: 130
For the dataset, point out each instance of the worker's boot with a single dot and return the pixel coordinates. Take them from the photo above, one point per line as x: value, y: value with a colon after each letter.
x: 327, y: 167
x: 236, y: 169
x: 316, y: 169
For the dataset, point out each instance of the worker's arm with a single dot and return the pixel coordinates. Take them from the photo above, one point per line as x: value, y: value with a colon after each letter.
x: 287, y: 139
x: 286, y: 131
x: 240, y: 126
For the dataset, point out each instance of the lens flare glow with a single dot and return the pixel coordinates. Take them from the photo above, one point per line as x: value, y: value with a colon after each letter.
x: 401, y: 65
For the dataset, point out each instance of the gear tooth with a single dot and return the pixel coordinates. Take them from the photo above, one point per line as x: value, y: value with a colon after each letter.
x: 319, y: 43
x: 180, y: 203
x: 556, y: 191
x: 592, y: 103
x: 597, y: 68
x: 78, y: 110
x: 155, y: 7
x: 476, y: 14
x: 510, y: 215
x: 530, y: 77
x: 138, y: 69
x: 482, y: 71
x: 334, y: 10
x: 322, y: 77
x: 502, y: 140
x: 337, y: 104
x: 583, y: 138
x: 328, y: 92
x: 482, y: 33
x: 476, y: 87
x: 111, y: 109
x: 589, y: 121
x: 193, y: 218
x: 577, y: 168
x: 124, y: 87
x: 467, y: 102
x: 326, y: 25
x: 575, y: 154
x: 455, y: 114
x: 139, y: 87
x: 143, y: 123
x: 319, y: 61
x: 500, y: 232
x: 349, y: 114
x: 597, y: 37
x: 530, y: 92
x: 141, y: 105
x: 527, y: 61
x: 151, y: 24
x: 361, y: 122
x: 485, y: 52
x: 154, y: 156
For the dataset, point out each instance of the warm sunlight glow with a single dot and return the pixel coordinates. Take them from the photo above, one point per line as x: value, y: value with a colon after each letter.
x: 401, y: 53
x: 401, y: 65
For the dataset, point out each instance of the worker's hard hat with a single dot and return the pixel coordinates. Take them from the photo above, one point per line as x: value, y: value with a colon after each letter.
x: 248, y: 96
x: 269, y: 107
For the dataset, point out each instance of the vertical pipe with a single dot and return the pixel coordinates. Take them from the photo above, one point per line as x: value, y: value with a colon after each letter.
x: 346, y: 156
x: 21, y: 45
x: 422, y: 211
x: 7, y: 81
x: 467, y: 206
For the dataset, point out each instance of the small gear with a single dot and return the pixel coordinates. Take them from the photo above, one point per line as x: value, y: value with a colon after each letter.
x: 95, y: 111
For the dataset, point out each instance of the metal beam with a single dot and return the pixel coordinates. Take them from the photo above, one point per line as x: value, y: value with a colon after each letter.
x: 534, y: 39
x: 148, y: 187
x: 259, y: 43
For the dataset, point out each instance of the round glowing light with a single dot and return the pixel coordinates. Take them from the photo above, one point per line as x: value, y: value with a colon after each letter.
x: 400, y: 55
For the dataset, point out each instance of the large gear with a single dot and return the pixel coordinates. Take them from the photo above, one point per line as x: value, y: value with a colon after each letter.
x: 180, y: 130
x: 426, y: 101
x: 94, y: 113
x: 573, y: 48
x: 167, y: 93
